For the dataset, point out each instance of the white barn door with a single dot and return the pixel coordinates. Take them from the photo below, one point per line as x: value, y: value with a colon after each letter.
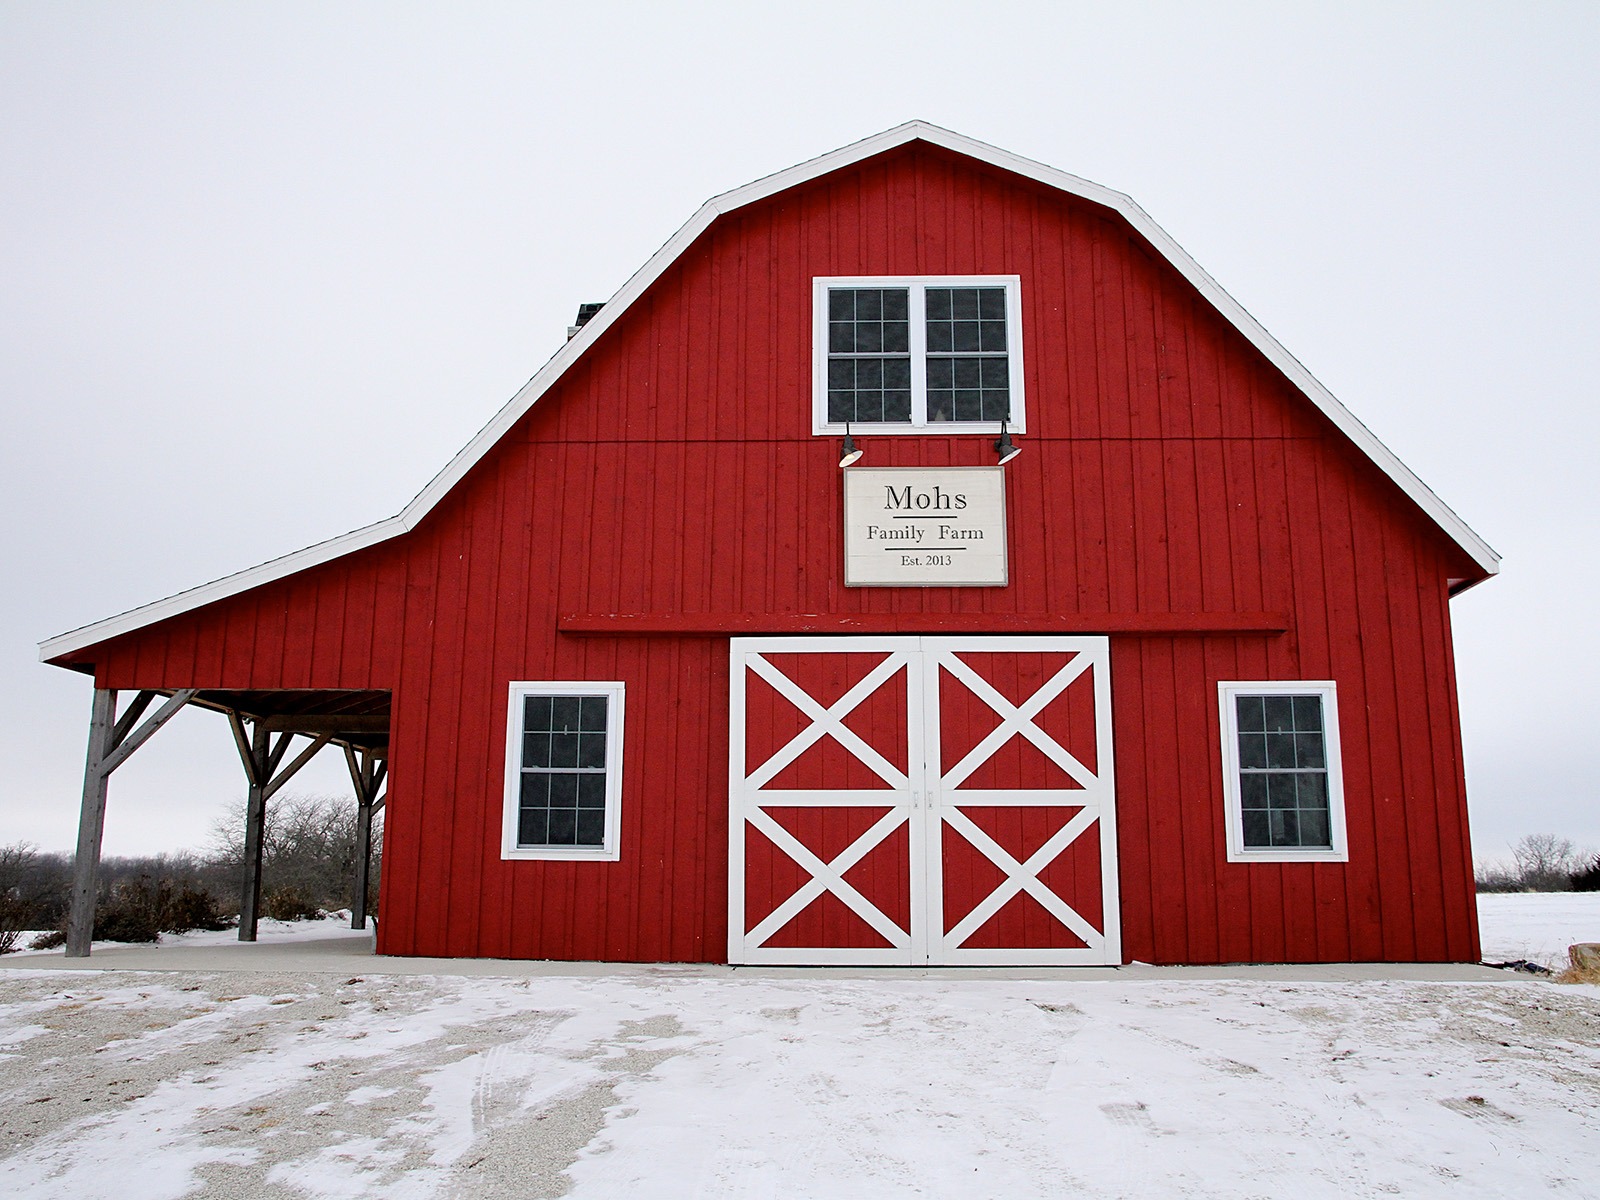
x: 916, y: 800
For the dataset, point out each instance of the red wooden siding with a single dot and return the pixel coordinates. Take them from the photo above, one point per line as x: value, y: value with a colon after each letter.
x: 1168, y: 469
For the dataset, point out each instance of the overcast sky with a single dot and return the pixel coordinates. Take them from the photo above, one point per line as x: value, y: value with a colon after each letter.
x: 265, y: 267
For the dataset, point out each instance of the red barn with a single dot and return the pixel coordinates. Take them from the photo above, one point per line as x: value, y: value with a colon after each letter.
x: 1115, y: 638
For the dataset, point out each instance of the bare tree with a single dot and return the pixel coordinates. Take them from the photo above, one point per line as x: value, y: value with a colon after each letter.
x: 308, y: 848
x: 1546, y: 862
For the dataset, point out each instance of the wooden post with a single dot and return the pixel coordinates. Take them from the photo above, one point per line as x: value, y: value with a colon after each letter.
x: 261, y: 758
x: 111, y: 742
x: 255, y: 830
x: 91, y: 825
x: 367, y: 773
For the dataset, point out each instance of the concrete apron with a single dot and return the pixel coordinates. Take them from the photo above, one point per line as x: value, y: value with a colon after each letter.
x: 352, y: 954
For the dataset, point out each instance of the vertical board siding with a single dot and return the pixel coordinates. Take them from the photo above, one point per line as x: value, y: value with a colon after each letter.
x: 1167, y: 468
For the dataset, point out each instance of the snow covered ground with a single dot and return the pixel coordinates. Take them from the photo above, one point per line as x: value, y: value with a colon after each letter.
x: 1537, y: 927
x: 669, y: 1082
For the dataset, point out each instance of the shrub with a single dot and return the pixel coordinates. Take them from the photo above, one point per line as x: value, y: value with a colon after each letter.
x: 131, y: 912
x: 289, y: 904
x: 1587, y: 879
x: 17, y: 910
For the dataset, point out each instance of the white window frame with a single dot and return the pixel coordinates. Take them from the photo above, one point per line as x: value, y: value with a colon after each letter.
x: 919, y: 424
x: 1227, y: 692
x: 610, y: 849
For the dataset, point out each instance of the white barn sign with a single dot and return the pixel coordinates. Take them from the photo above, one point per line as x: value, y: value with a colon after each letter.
x: 924, y: 527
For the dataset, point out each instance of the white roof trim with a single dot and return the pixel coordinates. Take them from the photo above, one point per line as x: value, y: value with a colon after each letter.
x: 1475, y: 547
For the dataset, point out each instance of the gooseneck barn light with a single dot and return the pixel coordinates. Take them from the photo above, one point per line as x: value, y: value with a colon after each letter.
x: 851, y: 452
x: 1005, y: 447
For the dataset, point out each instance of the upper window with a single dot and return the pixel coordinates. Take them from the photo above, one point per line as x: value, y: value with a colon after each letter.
x: 904, y: 355
x: 563, y: 770
x: 1282, y: 775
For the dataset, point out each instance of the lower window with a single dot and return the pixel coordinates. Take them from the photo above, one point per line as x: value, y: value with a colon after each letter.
x: 563, y: 770
x: 1282, y: 778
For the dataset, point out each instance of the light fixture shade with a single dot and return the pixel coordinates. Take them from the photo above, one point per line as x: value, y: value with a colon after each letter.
x: 1005, y: 447
x: 851, y: 452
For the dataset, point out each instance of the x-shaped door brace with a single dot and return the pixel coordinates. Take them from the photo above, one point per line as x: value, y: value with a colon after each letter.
x: 1022, y: 877
x: 828, y: 877
x: 827, y: 721
x: 1015, y: 720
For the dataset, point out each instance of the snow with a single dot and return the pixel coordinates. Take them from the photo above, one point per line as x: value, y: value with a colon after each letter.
x: 1537, y: 927
x: 674, y: 1082
x: 330, y: 925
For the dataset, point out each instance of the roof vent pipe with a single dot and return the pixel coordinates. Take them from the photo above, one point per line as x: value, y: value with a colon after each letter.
x: 586, y: 314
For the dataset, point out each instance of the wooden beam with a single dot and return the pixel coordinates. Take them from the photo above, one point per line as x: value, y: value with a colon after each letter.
x: 326, y: 723
x: 367, y: 774
x: 282, y: 777
x: 112, y: 740
x: 145, y: 732
x: 1151, y: 624
x: 134, y: 711
x: 255, y: 831
x: 262, y: 758
x: 91, y: 824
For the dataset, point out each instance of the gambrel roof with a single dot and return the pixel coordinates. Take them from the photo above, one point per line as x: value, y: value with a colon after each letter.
x: 913, y: 131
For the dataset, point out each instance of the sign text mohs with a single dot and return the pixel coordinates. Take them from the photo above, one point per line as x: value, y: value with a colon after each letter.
x: 924, y: 527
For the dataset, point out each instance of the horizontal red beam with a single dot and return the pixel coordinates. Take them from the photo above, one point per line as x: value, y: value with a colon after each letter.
x: 715, y: 624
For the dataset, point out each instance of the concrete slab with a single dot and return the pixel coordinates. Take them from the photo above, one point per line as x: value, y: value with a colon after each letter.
x: 352, y: 954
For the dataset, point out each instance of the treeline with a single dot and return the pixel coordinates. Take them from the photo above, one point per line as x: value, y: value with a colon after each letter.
x: 1542, y: 862
x: 308, y: 867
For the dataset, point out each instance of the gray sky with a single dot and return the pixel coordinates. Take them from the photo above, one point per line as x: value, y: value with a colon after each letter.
x: 268, y: 266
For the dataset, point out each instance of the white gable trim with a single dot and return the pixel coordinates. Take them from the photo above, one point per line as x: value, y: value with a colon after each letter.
x: 1476, y: 548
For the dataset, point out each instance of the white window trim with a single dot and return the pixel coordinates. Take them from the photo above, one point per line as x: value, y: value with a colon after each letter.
x: 1237, y: 850
x: 1017, y: 422
x: 609, y: 850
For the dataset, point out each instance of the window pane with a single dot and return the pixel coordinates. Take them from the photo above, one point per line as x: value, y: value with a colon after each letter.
x: 841, y: 337
x: 591, y: 750
x: 1253, y: 790
x: 1308, y: 714
x: 1257, y: 831
x: 897, y: 406
x: 564, y: 714
x: 1313, y: 791
x: 1280, y: 790
x: 869, y: 305
x: 533, y: 825
x: 992, y: 303
x: 1308, y: 750
x: 536, y: 749
x: 940, y: 338
x: 564, y: 749
x: 896, y: 304
x: 1280, y: 750
x: 1252, y: 750
x: 592, y: 714
x: 591, y: 827
x: 563, y: 790
x: 1285, y: 827
x: 841, y: 304
x: 964, y: 304
x: 591, y: 791
x: 535, y: 789
x: 941, y: 374
x: 1280, y: 713
x: 563, y: 826
x: 938, y: 304
x: 1314, y: 829
x: 536, y: 713
x: 1252, y: 714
